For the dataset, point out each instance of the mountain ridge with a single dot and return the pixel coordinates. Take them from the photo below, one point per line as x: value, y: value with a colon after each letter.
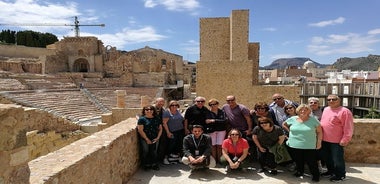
x: 369, y: 63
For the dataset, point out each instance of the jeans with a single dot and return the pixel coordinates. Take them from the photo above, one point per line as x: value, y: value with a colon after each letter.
x: 175, y: 143
x: 334, y: 155
x: 149, y: 155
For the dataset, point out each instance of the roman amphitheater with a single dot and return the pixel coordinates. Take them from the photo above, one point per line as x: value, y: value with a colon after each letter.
x: 69, y: 109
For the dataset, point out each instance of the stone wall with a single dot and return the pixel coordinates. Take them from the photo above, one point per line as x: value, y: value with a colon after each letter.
x: 46, y: 133
x: 42, y: 143
x: 211, y: 83
x: 108, y: 156
x: 17, y: 51
x: 365, y: 144
x: 13, y: 145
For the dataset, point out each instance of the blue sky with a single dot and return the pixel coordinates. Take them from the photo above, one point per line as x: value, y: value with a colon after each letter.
x: 322, y: 30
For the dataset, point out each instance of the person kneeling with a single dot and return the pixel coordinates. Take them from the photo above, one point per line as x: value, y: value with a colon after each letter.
x: 197, y: 149
x: 234, y: 151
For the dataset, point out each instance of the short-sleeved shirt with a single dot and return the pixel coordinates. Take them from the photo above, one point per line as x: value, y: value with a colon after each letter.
x: 302, y: 135
x: 268, y: 139
x: 151, y: 126
x: 175, y: 121
x: 236, y: 116
x: 235, y: 150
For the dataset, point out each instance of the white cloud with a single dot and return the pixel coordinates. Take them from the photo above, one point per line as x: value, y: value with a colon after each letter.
x: 350, y: 43
x: 174, y: 5
x: 278, y: 56
x: 339, y: 20
x: 270, y: 29
x: 129, y: 36
x: 374, y: 31
x: 191, y: 47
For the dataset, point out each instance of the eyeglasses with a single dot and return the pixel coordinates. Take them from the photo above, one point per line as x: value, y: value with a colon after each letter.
x: 234, y: 134
x: 212, y: 104
x: 332, y: 99
x: 148, y: 109
x: 264, y: 122
x: 200, y: 101
x: 278, y: 98
x: 313, y: 102
x: 230, y: 100
x: 288, y: 108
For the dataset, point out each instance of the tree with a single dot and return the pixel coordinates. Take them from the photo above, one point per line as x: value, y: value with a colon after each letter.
x: 372, y: 114
x: 28, y: 38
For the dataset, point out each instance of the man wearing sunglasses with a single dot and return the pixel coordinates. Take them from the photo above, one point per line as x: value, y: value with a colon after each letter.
x: 196, y: 114
x: 338, y: 127
x: 315, y: 108
x: 277, y: 107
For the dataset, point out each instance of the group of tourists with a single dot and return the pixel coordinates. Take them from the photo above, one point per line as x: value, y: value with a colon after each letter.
x: 233, y: 136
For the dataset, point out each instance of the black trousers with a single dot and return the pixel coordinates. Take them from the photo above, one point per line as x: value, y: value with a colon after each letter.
x: 306, y: 155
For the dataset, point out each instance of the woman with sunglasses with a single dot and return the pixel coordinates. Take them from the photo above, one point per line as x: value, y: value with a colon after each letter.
x: 216, y: 128
x: 172, y: 120
x: 266, y: 135
x: 234, y: 151
x: 150, y: 129
x: 261, y: 109
x: 305, y: 138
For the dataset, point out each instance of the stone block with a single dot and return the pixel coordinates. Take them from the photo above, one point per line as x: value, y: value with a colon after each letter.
x: 89, y: 128
x: 19, y: 156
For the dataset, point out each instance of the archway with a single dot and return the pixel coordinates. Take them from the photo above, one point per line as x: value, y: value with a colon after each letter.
x: 81, y: 65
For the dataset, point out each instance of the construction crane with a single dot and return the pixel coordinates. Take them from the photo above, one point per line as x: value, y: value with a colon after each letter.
x: 76, y: 25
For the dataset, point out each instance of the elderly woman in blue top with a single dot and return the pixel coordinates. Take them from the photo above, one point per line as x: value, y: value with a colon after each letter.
x: 172, y: 120
x: 150, y: 129
x: 305, y: 137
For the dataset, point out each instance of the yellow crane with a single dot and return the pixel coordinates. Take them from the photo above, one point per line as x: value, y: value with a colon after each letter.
x: 76, y: 25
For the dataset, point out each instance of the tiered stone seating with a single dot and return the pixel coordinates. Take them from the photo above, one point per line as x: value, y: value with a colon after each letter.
x: 74, y: 105
x: 70, y: 104
x: 11, y: 84
x: 50, y: 83
x: 133, y: 97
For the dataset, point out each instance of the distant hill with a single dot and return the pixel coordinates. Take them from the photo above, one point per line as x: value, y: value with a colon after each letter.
x: 285, y: 62
x: 371, y: 62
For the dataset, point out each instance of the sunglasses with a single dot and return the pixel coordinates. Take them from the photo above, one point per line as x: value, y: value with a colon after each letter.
x: 212, y: 104
x: 234, y: 134
x: 174, y: 105
x: 200, y: 101
x: 332, y: 99
x: 288, y: 108
x: 264, y: 122
x: 313, y: 102
x: 148, y: 109
x: 278, y: 98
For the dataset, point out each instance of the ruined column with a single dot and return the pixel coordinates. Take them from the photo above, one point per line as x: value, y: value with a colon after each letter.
x: 14, y: 155
x: 120, y: 94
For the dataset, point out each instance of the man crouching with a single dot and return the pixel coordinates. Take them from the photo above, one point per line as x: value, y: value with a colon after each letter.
x: 197, y: 149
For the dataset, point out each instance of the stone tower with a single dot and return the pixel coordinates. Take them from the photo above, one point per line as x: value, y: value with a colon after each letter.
x: 225, y: 51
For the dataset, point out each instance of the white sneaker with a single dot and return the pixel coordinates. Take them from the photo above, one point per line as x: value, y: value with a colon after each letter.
x: 166, y: 161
